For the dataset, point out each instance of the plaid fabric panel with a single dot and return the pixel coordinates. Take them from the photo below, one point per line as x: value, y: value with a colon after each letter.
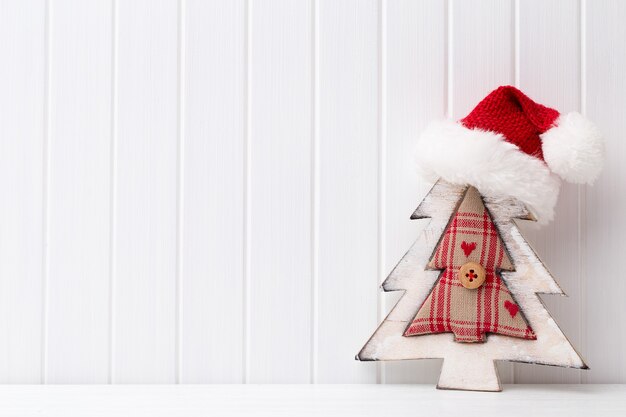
x: 471, y: 236
x: 469, y: 314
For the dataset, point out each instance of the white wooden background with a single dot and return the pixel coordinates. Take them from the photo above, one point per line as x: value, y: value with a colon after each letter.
x: 211, y: 191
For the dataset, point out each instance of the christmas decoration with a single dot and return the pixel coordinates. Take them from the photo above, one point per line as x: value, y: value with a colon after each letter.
x: 471, y: 281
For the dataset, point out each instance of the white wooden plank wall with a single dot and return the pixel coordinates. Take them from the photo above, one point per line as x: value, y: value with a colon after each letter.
x: 145, y: 174
x: 77, y: 180
x: 279, y: 249
x: 23, y: 121
x: 603, y: 100
x: 211, y: 191
x: 346, y: 186
x: 213, y: 145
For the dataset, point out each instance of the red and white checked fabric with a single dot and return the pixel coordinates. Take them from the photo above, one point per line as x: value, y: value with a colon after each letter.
x: 471, y: 236
x: 470, y: 313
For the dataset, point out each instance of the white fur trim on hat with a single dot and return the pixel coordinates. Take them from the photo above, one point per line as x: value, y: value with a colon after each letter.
x: 574, y: 149
x: 459, y: 155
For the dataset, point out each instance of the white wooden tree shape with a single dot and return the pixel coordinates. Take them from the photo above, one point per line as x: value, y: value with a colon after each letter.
x: 470, y: 366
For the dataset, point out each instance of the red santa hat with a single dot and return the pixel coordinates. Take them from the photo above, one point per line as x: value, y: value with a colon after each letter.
x: 510, y: 146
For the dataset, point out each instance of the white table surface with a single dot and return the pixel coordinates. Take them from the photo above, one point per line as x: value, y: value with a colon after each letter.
x: 309, y: 400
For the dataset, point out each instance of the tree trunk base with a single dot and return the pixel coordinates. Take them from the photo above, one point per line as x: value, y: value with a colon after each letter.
x: 469, y: 373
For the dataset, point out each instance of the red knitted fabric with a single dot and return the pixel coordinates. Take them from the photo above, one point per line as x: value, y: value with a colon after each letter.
x: 511, y: 113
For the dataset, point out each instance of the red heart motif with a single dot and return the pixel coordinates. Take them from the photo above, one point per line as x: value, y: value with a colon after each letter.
x: 513, y: 308
x: 468, y: 247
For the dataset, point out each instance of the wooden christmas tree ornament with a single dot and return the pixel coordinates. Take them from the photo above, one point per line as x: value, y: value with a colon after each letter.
x: 471, y: 281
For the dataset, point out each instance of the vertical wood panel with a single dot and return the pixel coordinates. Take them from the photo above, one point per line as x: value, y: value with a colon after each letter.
x: 482, y: 51
x: 22, y: 75
x: 481, y: 59
x: 279, y: 310
x: 549, y: 72
x: 605, y: 310
x: 348, y: 187
x: 214, y: 121
x: 78, y: 193
x: 415, y: 71
x: 146, y: 193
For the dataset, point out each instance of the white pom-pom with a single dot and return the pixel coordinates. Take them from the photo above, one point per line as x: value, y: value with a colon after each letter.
x: 574, y: 149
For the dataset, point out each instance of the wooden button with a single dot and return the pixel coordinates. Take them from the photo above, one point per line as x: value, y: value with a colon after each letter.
x: 472, y: 275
